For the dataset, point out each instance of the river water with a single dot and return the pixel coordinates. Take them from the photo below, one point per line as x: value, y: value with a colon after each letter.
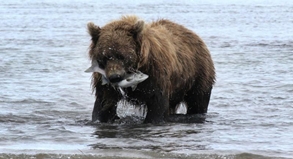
x: 46, y: 99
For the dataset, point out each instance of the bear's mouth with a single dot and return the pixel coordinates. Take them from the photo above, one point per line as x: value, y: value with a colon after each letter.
x: 131, y: 79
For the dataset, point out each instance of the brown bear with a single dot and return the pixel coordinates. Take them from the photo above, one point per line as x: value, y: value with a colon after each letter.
x: 176, y: 60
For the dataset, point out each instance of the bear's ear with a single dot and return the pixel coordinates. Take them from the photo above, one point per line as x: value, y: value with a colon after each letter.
x: 94, y: 31
x: 137, y: 28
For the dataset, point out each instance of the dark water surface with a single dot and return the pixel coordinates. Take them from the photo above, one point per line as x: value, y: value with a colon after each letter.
x: 46, y: 100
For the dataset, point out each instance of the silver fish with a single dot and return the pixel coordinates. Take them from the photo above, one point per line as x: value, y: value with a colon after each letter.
x: 132, y: 80
x: 95, y: 68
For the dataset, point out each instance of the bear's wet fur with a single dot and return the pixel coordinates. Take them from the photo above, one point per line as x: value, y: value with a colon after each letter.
x: 178, y: 63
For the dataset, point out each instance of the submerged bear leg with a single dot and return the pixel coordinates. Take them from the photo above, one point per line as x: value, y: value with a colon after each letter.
x: 158, y: 109
x: 105, y: 106
x: 104, y: 112
x: 197, y: 103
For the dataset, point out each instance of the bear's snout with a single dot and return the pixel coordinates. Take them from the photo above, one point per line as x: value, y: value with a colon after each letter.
x: 115, y: 72
x: 115, y: 78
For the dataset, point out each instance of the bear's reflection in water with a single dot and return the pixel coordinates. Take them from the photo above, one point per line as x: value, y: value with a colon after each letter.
x: 130, y: 134
x: 159, y: 138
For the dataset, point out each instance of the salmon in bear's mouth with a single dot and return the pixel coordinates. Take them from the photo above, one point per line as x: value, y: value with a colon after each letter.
x: 131, y: 80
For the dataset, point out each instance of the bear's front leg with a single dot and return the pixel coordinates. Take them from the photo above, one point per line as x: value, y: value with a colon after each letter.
x: 158, y: 108
x: 105, y: 105
x: 104, y: 111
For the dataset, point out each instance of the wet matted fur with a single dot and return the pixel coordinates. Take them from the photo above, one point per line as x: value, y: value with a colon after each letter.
x: 178, y: 63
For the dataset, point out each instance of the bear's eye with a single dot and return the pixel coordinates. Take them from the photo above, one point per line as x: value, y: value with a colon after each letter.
x: 101, y: 64
x: 120, y: 57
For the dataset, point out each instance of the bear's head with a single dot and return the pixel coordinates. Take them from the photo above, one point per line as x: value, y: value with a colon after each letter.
x: 115, y: 48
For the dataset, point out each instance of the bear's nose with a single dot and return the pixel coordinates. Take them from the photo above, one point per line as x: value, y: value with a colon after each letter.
x: 115, y: 78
